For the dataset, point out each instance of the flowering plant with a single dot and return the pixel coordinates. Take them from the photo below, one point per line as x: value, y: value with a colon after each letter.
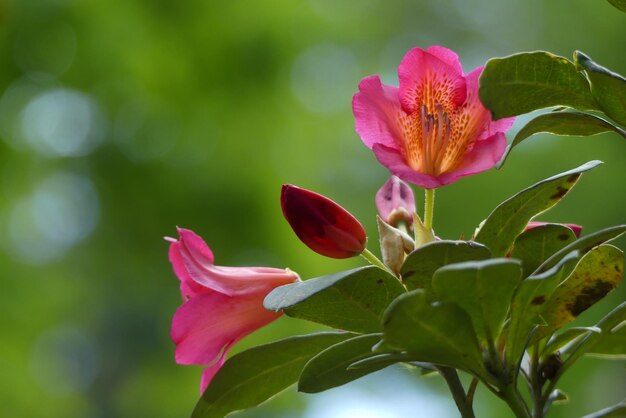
x: 494, y: 307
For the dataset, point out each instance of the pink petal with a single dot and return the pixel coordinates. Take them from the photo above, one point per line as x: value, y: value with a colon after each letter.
x: 395, y: 163
x: 446, y: 55
x: 473, y: 100
x: 211, y: 371
x: 188, y: 287
x: 439, y: 70
x: 192, y: 266
x: 196, y: 245
x: 376, y: 108
x: 482, y: 157
x: 203, y: 327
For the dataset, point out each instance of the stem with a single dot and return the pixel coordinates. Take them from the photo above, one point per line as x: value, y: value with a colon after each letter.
x: 458, y: 393
x: 512, y: 397
x: 471, y: 391
x: 367, y: 254
x: 429, y: 207
x: 536, y: 382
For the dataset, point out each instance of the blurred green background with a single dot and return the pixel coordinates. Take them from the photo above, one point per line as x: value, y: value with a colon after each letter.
x: 120, y: 119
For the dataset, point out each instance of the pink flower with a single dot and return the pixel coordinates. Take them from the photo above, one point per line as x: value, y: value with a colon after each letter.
x: 321, y: 224
x: 432, y: 129
x: 577, y: 229
x: 222, y: 304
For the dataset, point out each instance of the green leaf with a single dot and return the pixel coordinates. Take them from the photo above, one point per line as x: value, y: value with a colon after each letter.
x: 440, y: 333
x: 383, y: 360
x: 569, y: 336
x: 255, y: 375
x: 612, y: 345
x: 421, y: 264
x: 510, y: 218
x: 563, y: 123
x: 615, y: 411
x: 619, y: 4
x: 528, y: 303
x: 329, y: 368
x: 608, y: 88
x: 483, y: 289
x: 534, y: 246
x: 528, y: 81
x: 352, y: 300
x: 597, y: 273
x: 583, y: 245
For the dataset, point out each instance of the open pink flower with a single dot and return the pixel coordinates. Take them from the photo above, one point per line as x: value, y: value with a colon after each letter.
x: 432, y: 129
x: 222, y: 304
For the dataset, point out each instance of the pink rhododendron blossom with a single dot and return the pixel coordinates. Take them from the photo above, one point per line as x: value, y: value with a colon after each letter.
x: 577, y: 229
x: 222, y: 304
x: 432, y: 129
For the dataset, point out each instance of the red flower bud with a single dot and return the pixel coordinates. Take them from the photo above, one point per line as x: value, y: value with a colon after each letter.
x: 321, y: 224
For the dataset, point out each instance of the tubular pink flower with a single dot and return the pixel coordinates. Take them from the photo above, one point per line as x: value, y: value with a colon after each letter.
x: 222, y: 304
x: 432, y: 129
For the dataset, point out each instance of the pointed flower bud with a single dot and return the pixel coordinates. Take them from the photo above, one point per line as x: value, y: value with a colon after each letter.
x: 395, y: 202
x: 321, y: 224
x: 394, y: 245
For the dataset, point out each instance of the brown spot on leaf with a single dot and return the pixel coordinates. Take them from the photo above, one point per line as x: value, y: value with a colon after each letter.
x: 379, y: 281
x: 560, y: 192
x: 618, y: 269
x: 589, y: 296
x: 539, y: 300
x: 563, y: 237
x: 573, y: 178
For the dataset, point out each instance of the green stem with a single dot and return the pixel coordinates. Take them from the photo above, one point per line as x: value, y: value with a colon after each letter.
x: 512, y: 397
x: 429, y: 207
x: 458, y: 393
x: 367, y: 254
x: 536, y: 382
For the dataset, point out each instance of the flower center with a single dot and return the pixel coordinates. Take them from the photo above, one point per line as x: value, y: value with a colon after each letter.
x: 427, y: 136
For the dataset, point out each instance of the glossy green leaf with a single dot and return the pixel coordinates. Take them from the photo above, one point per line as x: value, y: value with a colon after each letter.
x: 330, y: 368
x: 352, y: 300
x: 619, y: 4
x: 440, y: 333
x: 583, y: 245
x: 597, y: 273
x: 529, y: 81
x: 563, y: 123
x: 483, y: 289
x: 421, y: 264
x: 528, y: 303
x: 566, y: 337
x: 255, y: 375
x: 612, y: 345
x: 381, y: 360
x: 608, y: 88
x: 510, y: 218
x: 536, y: 245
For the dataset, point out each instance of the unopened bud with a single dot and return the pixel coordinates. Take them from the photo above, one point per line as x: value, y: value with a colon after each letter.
x: 395, y: 202
x: 321, y: 224
x: 394, y: 245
